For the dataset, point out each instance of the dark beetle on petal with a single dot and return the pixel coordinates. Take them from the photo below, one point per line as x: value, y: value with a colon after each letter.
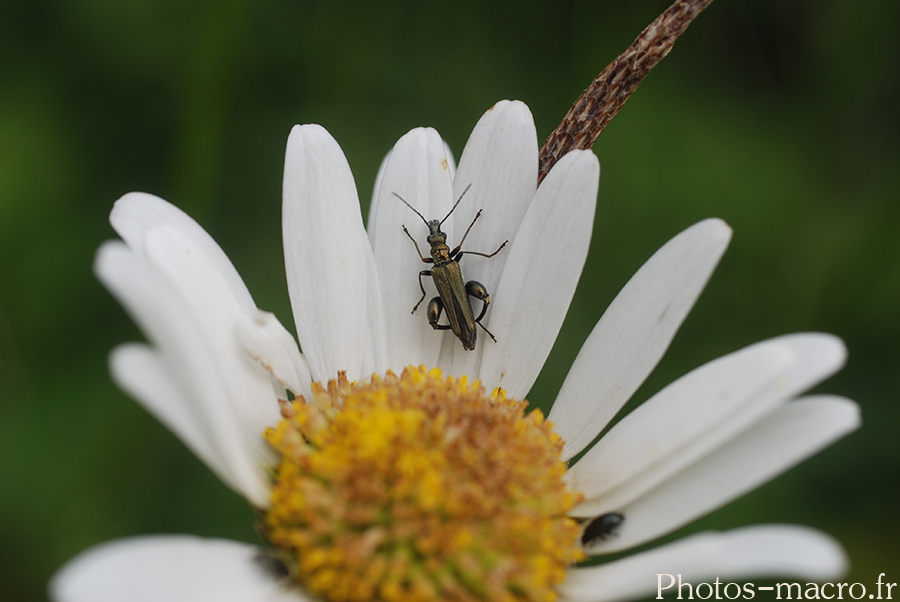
x: 272, y: 565
x: 453, y: 295
x: 601, y: 527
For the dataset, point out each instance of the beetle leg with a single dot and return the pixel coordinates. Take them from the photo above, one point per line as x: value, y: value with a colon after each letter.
x: 477, y: 290
x: 422, y: 257
x: 421, y: 286
x: 435, y: 307
x: 454, y: 252
x: 461, y: 253
x: 489, y: 333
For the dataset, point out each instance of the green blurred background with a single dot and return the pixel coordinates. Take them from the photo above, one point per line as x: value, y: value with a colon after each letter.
x: 779, y: 117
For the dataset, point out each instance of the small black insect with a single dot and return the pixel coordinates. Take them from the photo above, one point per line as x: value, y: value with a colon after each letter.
x: 601, y: 527
x: 447, y: 277
x: 271, y: 565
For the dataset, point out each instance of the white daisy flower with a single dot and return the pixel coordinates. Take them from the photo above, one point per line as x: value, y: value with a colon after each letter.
x: 422, y: 487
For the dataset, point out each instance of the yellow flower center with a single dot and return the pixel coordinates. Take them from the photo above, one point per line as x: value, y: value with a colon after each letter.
x: 420, y: 488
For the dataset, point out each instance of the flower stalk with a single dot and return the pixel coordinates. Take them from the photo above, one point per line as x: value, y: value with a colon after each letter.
x: 599, y: 103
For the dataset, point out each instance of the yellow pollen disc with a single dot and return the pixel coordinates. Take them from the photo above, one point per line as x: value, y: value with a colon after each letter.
x: 420, y: 488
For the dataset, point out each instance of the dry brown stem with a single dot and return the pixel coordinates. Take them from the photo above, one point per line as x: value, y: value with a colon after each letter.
x: 608, y: 92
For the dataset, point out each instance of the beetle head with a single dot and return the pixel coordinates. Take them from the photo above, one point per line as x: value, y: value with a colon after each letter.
x: 435, y: 235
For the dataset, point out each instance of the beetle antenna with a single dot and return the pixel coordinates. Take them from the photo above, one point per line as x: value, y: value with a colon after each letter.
x: 456, y: 203
x: 411, y: 207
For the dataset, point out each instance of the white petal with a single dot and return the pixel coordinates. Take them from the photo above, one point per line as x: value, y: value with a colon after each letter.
x: 217, y: 313
x: 451, y: 160
x: 542, y: 270
x: 634, y: 333
x: 674, y: 420
x: 755, y: 552
x: 418, y: 170
x: 334, y: 294
x: 376, y: 350
x: 698, y: 413
x: 499, y: 168
x: 137, y: 213
x: 197, y: 368
x: 267, y: 341
x: 141, y: 372
x: 390, y: 198
x: 173, y: 569
x: 373, y: 204
x: 784, y: 438
x: 209, y: 293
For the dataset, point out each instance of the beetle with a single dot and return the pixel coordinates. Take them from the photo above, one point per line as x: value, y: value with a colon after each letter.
x: 447, y: 276
x: 601, y: 527
x: 271, y: 565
